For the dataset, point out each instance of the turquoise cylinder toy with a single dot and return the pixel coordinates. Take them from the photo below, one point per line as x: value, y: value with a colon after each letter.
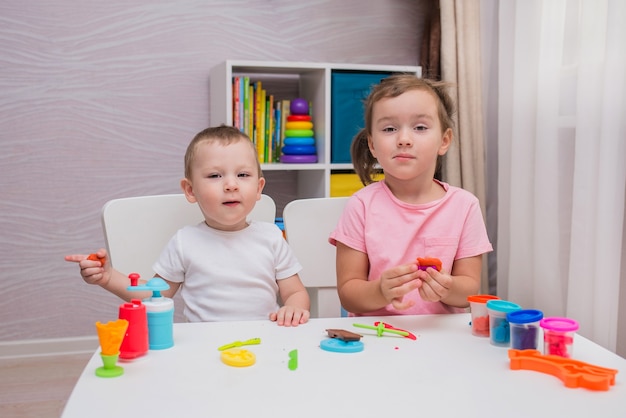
x: 160, y: 312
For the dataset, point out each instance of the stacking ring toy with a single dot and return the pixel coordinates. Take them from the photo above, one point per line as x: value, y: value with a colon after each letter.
x: 298, y: 149
x: 298, y: 118
x: 298, y: 159
x: 299, y: 106
x: 298, y: 125
x: 298, y: 132
x: 299, y: 140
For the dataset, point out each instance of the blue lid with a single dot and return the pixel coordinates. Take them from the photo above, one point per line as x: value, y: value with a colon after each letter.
x: 502, y: 305
x: 155, y: 285
x: 524, y: 316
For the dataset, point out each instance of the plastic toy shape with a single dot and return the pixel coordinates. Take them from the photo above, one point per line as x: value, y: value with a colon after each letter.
x: 134, y: 279
x: 299, y: 106
x: 424, y: 263
x: 336, y: 345
x: 573, y: 373
x: 94, y: 257
x: 343, y: 335
x: 251, y: 341
x: 110, y: 336
x: 409, y: 335
x: 293, y: 360
x: 380, y: 329
x: 238, y: 357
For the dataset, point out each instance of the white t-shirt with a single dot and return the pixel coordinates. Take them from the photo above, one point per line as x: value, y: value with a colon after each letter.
x: 228, y: 275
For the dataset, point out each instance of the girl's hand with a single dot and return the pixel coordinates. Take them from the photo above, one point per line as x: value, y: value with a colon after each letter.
x: 290, y: 316
x: 397, y: 282
x: 93, y: 271
x: 436, y: 285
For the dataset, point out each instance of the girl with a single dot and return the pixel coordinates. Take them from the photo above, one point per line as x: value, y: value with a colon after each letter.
x: 388, y: 224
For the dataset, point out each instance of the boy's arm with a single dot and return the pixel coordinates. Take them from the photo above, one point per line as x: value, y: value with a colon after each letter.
x: 293, y: 293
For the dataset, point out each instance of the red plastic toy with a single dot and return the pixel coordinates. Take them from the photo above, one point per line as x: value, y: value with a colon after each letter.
x: 424, y: 263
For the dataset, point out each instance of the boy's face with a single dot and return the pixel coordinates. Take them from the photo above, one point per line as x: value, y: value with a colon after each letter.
x: 225, y: 183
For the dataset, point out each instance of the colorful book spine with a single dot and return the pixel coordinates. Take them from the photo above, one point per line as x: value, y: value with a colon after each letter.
x: 236, y: 100
x: 246, y: 105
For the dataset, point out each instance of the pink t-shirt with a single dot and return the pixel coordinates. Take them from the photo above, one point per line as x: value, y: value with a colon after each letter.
x: 392, y: 232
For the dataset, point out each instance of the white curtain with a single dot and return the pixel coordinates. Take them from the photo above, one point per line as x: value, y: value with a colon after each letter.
x: 562, y: 159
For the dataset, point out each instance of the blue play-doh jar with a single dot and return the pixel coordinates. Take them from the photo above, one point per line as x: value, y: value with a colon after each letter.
x: 499, y: 330
x: 525, y: 328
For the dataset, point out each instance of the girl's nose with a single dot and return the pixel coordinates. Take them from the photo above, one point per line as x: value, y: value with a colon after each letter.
x: 404, y: 138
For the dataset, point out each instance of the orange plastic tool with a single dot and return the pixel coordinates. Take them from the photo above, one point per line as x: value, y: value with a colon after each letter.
x: 573, y: 373
x: 424, y: 263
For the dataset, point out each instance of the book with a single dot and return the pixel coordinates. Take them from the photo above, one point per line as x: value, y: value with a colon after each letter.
x: 236, y: 100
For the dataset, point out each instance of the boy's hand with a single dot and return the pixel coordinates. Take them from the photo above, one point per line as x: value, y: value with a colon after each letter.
x: 94, y: 268
x: 290, y: 316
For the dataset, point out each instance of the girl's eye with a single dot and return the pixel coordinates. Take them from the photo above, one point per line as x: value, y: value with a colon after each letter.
x: 421, y: 127
x: 389, y: 129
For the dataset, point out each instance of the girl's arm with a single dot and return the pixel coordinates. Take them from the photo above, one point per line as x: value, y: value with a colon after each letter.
x: 358, y: 295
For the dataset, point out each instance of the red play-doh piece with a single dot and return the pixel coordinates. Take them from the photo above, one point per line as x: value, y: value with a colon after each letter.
x: 424, y: 263
x: 94, y: 257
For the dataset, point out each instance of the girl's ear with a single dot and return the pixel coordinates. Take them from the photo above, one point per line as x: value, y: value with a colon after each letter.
x: 446, y: 141
x: 187, y: 187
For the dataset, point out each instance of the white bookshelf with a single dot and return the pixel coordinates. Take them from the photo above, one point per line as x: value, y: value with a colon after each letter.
x: 288, y: 80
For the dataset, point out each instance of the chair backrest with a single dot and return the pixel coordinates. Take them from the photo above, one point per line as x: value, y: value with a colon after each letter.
x: 308, y: 223
x: 136, y: 229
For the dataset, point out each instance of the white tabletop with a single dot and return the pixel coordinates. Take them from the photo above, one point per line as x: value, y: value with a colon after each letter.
x: 445, y: 372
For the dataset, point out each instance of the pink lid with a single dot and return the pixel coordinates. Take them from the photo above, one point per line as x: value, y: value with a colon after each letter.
x: 559, y: 324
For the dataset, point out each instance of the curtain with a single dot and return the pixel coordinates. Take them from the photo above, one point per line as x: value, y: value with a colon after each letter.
x: 464, y: 164
x: 562, y: 159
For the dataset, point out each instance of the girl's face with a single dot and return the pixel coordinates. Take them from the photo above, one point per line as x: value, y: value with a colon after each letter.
x: 406, y: 136
x: 225, y: 183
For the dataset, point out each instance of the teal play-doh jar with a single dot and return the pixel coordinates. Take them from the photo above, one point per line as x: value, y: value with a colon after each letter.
x: 499, y: 329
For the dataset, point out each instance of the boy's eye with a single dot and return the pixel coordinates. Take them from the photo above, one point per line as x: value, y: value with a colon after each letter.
x: 421, y: 127
x: 243, y: 175
x: 213, y: 176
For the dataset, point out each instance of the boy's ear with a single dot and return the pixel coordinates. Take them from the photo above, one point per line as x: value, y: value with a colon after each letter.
x: 185, y: 184
x: 261, y: 187
x: 446, y: 141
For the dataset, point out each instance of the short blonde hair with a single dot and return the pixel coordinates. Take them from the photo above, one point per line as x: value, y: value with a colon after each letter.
x: 223, y: 134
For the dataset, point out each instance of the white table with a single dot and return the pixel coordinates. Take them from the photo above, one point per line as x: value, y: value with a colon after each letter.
x: 446, y: 372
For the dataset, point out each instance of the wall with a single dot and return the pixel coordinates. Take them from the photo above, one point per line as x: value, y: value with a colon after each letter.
x: 99, y: 100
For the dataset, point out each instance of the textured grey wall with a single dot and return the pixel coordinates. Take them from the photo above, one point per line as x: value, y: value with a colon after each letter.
x: 98, y: 100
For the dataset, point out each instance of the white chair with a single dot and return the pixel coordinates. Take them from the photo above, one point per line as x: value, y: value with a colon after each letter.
x: 136, y: 229
x: 308, y: 223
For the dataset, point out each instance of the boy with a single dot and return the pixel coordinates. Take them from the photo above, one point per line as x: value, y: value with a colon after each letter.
x: 231, y: 269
